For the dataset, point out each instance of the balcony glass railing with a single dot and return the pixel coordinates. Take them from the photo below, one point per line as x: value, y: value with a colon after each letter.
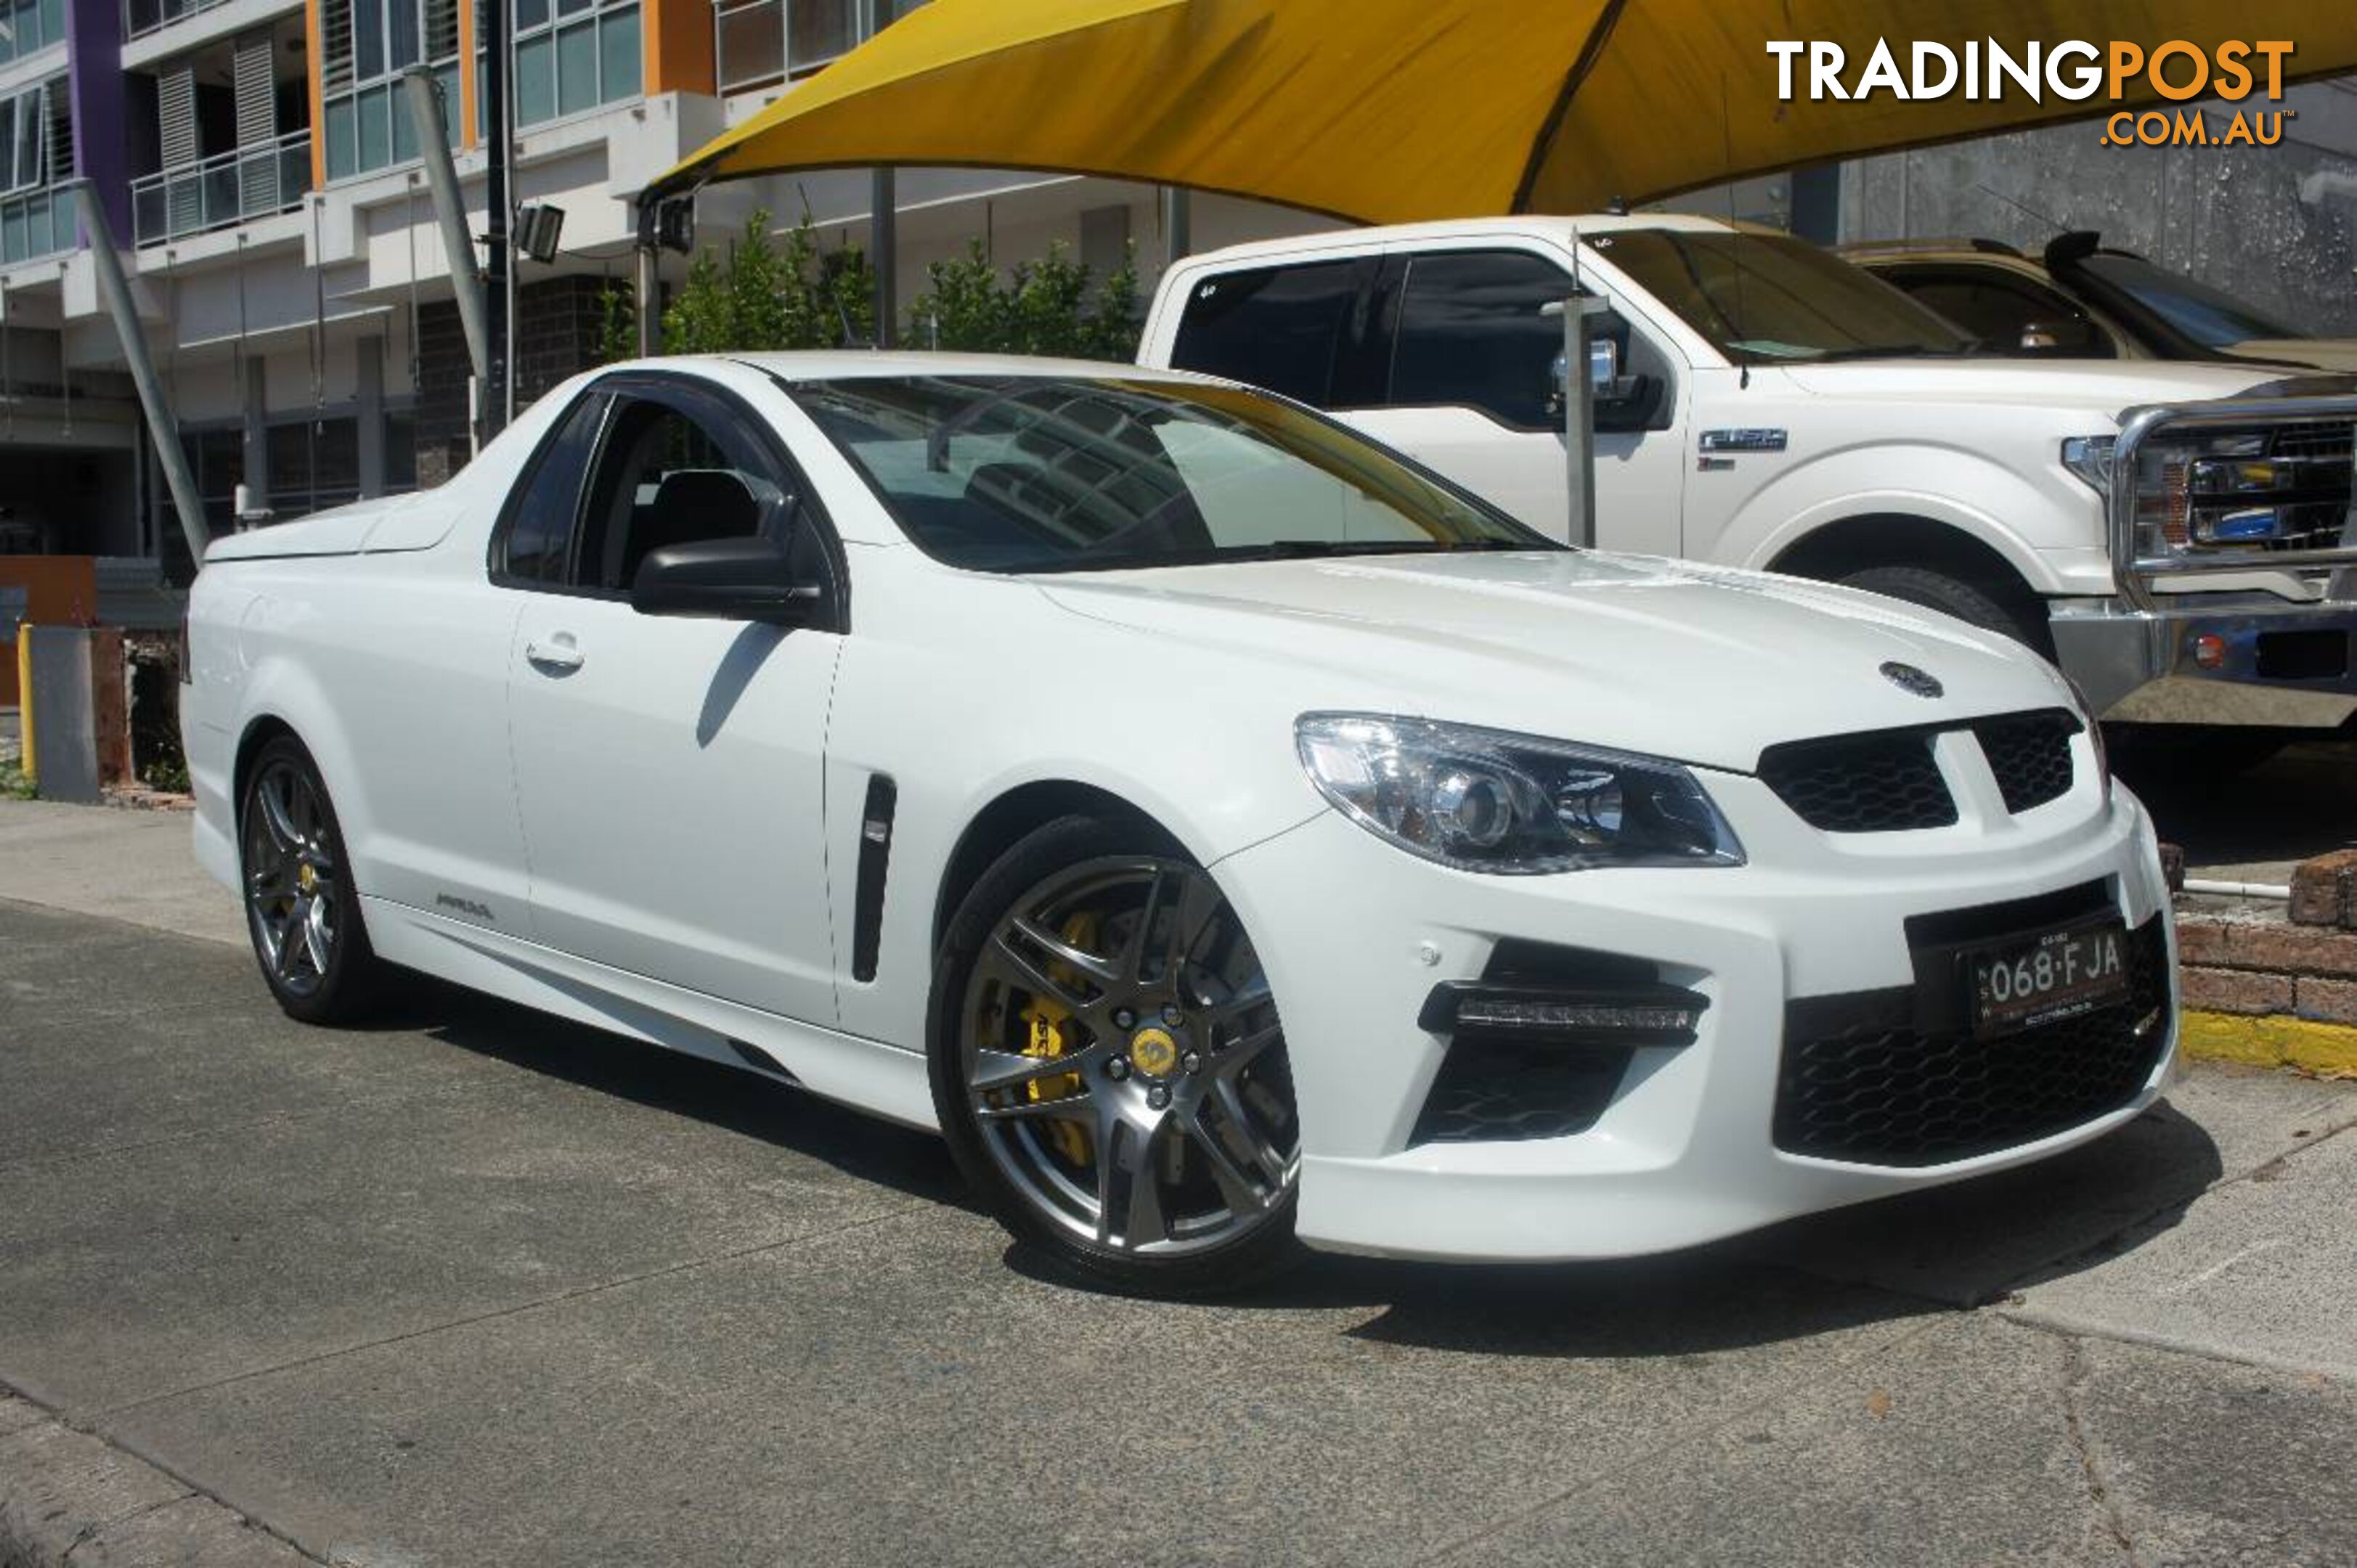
x: 222, y: 191
x: 36, y: 223
x: 143, y: 16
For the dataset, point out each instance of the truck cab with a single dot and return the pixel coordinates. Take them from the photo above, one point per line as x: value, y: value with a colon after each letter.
x: 1759, y: 402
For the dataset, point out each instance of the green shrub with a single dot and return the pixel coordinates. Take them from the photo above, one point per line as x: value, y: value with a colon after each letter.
x: 767, y: 293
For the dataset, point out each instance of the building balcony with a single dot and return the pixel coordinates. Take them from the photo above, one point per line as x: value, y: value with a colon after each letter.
x: 35, y: 224
x: 221, y: 191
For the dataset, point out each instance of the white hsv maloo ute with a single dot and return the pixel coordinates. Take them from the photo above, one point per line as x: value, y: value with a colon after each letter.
x: 1222, y: 830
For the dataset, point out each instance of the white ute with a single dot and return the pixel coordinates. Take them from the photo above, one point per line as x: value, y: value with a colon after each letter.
x: 1760, y: 403
x: 1214, y: 826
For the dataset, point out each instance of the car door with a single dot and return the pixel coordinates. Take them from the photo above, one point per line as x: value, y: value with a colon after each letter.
x: 670, y: 769
x: 1472, y: 388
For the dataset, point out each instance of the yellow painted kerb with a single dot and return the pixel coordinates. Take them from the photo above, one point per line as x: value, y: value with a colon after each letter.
x: 2275, y: 1041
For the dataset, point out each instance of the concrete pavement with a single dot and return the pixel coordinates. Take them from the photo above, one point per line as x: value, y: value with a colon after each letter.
x: 474, y: 1286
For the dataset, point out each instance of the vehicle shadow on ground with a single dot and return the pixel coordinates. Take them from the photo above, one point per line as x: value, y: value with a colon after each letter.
x: 736, y: 1100
x: 2203, y: 803
x: 1921, y: 1254
x: 1944, y: 1249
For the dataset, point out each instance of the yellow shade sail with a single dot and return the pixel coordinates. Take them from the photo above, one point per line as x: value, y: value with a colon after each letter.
x: 1385, y: 111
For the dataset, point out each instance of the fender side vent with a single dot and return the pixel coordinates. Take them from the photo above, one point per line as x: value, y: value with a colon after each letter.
x: 874, y: 852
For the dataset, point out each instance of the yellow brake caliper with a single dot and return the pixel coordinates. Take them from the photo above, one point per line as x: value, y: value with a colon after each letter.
x: 1047, y: 1027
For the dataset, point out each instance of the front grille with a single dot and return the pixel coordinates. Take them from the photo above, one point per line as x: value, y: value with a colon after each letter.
x: 1878, y: 783
x: 2030, y: 755
x: 1494, y: 1089
x: 1881, y: 1091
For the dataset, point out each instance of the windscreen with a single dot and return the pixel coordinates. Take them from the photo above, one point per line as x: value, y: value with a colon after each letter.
x: 1764, y: 297
x: 2211, y: 318
x: 1071, y: 474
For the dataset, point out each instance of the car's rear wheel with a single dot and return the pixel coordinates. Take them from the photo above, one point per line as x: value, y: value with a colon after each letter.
x: 301, y: 908
x: 1109, y: 1065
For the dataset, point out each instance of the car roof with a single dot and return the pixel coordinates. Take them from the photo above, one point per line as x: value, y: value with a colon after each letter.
x: 1533, y: 225
x: 1949, y: 245
x: 852, y: 364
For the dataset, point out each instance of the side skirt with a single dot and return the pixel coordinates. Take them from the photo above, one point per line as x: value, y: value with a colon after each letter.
x: 866, y: 1075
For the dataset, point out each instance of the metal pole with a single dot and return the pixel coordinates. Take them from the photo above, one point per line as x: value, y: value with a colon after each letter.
x: 449, y: 210
x: 1578, y: 416
x: 498, y: 392
x: 1178, y: 224
x: 884, y: 233
x: 162, y: 429
x: 643, y: 290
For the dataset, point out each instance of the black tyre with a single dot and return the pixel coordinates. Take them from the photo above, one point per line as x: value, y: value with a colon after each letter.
x: 301, y: 908
x: 2016, y: 614
x: 1108, y: 1065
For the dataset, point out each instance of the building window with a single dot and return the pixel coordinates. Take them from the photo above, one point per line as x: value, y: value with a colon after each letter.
x: 574, y: 55
x: 759, y: 43
x: 27, y: 26
x: 364, y: 46
x: 35, y: 152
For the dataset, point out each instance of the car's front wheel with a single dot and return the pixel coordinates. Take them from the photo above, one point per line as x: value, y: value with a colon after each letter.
x: 301, y: 909
x: 1109, y: 1066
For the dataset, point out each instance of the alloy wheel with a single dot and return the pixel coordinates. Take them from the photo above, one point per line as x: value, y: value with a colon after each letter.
x: 290, y: 878
x: 1123, y: 1063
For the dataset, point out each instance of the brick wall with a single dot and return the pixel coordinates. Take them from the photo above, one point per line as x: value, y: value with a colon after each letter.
x: 556, y: 331
x: 2262, y: 964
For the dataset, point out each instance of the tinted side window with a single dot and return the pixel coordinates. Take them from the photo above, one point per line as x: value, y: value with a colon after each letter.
x: 668, y: 472
x: 537, y: 533
x: 1471, y: 335
x: 1279, y: 327
x: 2009, y: 316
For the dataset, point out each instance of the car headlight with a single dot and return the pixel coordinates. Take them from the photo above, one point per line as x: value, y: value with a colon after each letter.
x: 1484, y: 799
x: 2250, y: 489
x: 2090, y: 457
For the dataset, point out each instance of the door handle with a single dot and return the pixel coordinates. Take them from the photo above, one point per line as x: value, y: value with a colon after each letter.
x: 558, y: 658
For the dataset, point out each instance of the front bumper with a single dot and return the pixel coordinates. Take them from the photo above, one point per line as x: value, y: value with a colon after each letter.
x: 2213, y: 658
x: 1684, y: 1152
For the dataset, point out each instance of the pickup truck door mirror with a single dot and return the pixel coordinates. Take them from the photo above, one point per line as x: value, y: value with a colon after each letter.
x: 1622, y: 402
x: 753, y: 579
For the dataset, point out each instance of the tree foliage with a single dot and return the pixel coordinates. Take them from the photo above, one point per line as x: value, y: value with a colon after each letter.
x: 1046, y: 307
x: 771, y: 292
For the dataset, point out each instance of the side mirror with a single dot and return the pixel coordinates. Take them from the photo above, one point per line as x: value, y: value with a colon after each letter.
x: 729, y: 579
x: 1620, y: 402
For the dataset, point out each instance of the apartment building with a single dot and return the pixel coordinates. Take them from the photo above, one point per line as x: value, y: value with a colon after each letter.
x: 259, y: 168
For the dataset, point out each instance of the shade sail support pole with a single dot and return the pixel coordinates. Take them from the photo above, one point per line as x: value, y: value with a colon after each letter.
x: 642, y: 296
x: 155, y: 402
x: 1178, y: 224
x: 884, y: 237
x: 425, y: 95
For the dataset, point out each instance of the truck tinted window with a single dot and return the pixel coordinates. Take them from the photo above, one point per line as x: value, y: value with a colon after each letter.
x: 1279, y: 327
x: 1470, y: 334
x: 2008, y: 314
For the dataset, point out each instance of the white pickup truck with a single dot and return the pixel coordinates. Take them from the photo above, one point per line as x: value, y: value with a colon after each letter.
x: 1759, y: 402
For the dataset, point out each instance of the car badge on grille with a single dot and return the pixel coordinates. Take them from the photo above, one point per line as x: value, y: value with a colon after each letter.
x: 1907, y: 678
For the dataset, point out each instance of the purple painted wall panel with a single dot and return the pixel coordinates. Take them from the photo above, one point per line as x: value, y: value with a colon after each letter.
x: 94, y: 77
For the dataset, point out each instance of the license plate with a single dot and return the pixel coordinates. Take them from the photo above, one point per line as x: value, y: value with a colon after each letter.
x: 2024, y: 985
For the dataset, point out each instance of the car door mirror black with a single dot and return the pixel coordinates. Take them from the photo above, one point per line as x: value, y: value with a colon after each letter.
x: 729, y: 579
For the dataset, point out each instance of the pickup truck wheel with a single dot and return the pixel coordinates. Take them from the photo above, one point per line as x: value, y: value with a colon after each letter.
x: 1971, y: 603
x: 1108, y: 1066
x: 301, y: 908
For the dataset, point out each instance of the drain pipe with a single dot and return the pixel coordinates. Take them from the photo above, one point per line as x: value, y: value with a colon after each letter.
x: 424, y: 96
x: 2238, y: 890
x: 154, y: 402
